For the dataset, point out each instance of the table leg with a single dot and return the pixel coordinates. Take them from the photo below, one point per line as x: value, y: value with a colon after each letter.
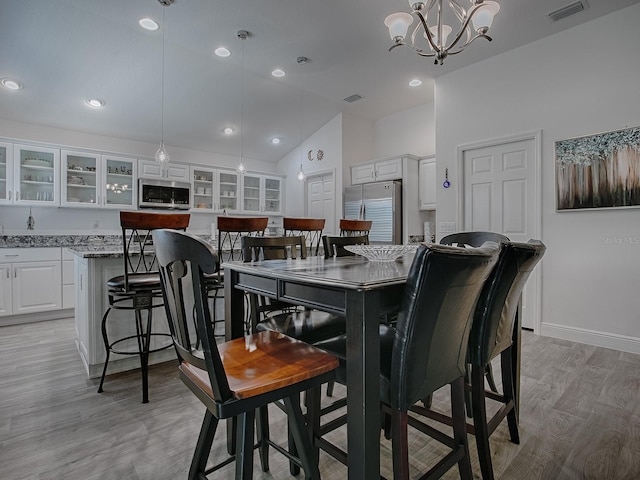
x: 233, y: 328
x: 363, y: 384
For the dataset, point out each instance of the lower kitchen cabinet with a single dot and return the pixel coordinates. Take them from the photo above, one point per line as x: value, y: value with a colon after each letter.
x: 31, y: 280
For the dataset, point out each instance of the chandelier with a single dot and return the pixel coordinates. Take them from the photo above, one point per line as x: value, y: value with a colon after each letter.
x: 473, y: 23
x: 301, y: 61
x: 242, y: 168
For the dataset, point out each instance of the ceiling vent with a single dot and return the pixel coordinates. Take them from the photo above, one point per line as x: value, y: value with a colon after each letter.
x: 568, y: 10
x: 352, y: 98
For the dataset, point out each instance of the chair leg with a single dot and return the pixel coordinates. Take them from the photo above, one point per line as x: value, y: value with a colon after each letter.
x: 480, y: 421
x: 293, y: 468
x: 203, y: 447
x: 244, y: 445
x: 263, y: 437
x: 508, y: 390
x: 460, y: 427
x: 330, y: 386
x: 312, y: 402
x: 399, y: 445
x: 301, y: 438
x: 106, y: 347
x: 468, y: 401
x: 144, y: 341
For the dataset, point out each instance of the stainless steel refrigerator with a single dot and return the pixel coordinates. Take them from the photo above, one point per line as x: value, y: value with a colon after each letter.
x: 380, y: 202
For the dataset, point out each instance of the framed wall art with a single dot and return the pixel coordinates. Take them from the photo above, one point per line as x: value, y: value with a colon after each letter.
x: 598, y: 171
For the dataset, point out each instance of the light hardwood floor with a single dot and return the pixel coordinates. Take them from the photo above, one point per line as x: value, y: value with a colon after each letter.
x: 580, y: 417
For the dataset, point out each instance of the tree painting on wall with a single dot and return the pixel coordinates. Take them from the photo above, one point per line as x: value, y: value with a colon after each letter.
x: 599, y: 171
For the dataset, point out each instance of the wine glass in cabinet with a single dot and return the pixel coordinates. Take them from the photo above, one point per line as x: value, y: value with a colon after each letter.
x: 119, y: 185
x: 81, y: 179
x: 36, y: 175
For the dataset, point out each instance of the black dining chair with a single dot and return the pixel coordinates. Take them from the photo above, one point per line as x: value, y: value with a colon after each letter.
x: 334, y: 246
x: 238, y: 378
x: 492, y: 336
x: 424, y: 351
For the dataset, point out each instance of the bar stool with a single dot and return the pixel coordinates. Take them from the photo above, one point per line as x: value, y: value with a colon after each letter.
x: 310, y: 228
x: 139, y: 288
x: 349, y: 228
x: 230, y: 232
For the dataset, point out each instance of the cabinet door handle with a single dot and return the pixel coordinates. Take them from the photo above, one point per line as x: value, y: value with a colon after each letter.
x: 15, y: 272
x: 17, y: 195
x: 10, y: 192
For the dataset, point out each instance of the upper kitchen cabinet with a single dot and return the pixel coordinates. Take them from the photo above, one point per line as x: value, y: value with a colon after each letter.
x: 378, y: 171
x: 119, y: 186
x: 261, y: 194
x: 204, y: 192
x: 94, y: 180
x: 170, y: 171
x: 228, y: 191
x: 6, y: 173
x: 35, y: 176
x: 427, y: 175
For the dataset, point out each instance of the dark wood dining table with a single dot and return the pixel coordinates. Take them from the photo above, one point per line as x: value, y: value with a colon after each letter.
x: 351, y: 286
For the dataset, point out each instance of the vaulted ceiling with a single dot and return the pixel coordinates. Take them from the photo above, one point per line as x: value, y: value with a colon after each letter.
x: 66, y: 51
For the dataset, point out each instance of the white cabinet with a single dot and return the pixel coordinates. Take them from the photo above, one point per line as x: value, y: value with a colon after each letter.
x: 378, y: 171
x: 204, y: 191
x: 68, y: 279
x: 6, y: 174
x: 228, y: 191
x: 171, y: 171
x: 35, y: 175
x: 95, y: 181
x: 261, y: 194
x: 31, y: 280
x: 427, y: 175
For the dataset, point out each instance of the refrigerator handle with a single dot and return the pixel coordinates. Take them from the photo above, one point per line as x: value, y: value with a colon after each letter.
x: 364, y: 212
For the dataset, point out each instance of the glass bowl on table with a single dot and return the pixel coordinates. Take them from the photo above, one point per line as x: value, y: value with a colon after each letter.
x: 381, y: 253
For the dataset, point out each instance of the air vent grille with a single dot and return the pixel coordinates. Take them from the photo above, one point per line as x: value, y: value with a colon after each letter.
x: 567, y: 10
x: 353, y: 98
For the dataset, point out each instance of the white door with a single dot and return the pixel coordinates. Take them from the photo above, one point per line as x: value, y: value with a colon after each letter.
x: 321, y: 200
x: 501, y: 195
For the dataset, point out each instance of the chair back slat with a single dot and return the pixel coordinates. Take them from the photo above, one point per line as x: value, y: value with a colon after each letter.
x: 138, y: 248
x: 334, y: 246
x: 433, y: 325
x: 271, y: 248
x: 472, y: 239
x: 310, y: 228
x: 183, y: 260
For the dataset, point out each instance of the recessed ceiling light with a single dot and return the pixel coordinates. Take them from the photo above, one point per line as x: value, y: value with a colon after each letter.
x: 228, y: 131
x: 11, y: 84
x: 415, y: 83
x: 222, y: 52
x: 278, y: 72
x: 95, y: 102
x: 275, y: 140
x: 149, y: 24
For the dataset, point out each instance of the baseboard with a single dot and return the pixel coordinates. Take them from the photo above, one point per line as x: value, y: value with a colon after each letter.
x: 591, y: 337
x: 35, y: 317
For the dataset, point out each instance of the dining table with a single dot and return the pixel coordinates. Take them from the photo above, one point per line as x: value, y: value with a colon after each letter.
x: 352, y: 286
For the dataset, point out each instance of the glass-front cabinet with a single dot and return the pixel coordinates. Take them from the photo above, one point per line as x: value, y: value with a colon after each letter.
x: 94, y: 180
x: 36, y: 179
x: 229, y: 191
x: 6, y: 173
x: 261, y: 194
x: 204, y: 195
x: 80, y: 179
x: 119, y: 187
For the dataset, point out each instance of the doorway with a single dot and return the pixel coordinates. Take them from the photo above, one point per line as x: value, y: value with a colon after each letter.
x: 501, y: 193
x: 321, y: 200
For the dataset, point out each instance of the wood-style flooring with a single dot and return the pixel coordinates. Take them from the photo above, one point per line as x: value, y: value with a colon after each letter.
x: 579, y: 418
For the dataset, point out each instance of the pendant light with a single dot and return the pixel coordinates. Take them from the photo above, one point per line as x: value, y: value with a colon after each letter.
x: 242, y: 35
x: 301, y: 61
x: 162, y: 156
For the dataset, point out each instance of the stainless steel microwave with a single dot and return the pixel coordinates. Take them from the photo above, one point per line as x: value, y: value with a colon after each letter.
x: 164, y: 194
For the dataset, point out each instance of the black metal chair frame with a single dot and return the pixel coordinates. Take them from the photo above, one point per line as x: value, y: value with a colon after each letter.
x: 310, y: 228
x: 138, y: 289
x: 334, y: 246
x: 185, y: 258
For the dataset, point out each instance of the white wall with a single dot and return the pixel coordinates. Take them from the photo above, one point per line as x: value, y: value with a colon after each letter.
x: 574, y: 83
x: 81, y: 221
x: 410, y: 131
x: 329, y: 139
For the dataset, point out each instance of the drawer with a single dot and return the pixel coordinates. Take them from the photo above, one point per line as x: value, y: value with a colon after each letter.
x: 33, y: 254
